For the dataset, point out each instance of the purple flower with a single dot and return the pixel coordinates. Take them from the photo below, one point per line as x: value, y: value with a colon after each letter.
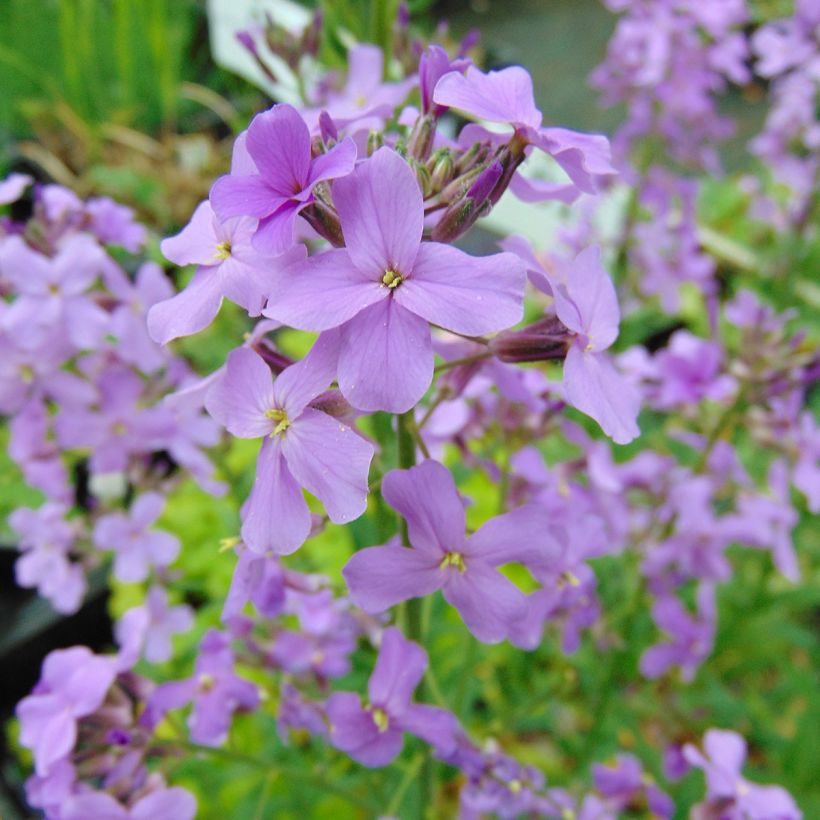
x: 625, y: 782
x: 45, y: 539
x: 136, y: 549
x: 215, y: 690
x: 386, y: 285
x: 586, y: 303
x: 256, y: 578
x: 278, y: 142
x: 464, y: 568
x: 162, y: 804
x: 374, y: 735
x: 228, y: 267
x: 506, y: 96
x: 728, y: 793
x: 302, y: 447
x: 148, y: 629
x: 51, y: 292
x: 73, y: 684
x: 114, y: 224
x: 692, y: 636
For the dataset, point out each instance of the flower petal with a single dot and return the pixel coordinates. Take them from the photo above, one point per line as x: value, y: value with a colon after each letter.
x: 380, y: 577
x: 427, y: 498
x: 382, y: 213
x: 279, y: 143
x: 330, y: 461
x: 322, y: 292
x: 337, y: 162
x: 462, y: 293
x: 398, y: 671
x: 275, y: 516
x: 240, y: 399
x: 243, y: 196
x: 594, y: 386
x: 385, y: 358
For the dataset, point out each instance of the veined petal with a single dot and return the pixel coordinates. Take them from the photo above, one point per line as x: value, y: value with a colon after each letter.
x: 330, y: 461
x: 240, y: 399
x: 398, y: 671
x: 191, y: 310
x: 385, y: 358
x: 498, y: 96
x: 279, y: 143
x: 382, y: 213
x: 438, y: 727
x: 276, y: 515
x: 522, y: 535
x: 381, y: 577
x: 322, y: 292
x: 275, y: 232
x: 463, y: 293
x: 426, y: 497
x: 488, y: 602
x: 196, y: 243
x: 594, y: 386
x: 586, y: 302
x: 243, y: 196
x: 337, y: 162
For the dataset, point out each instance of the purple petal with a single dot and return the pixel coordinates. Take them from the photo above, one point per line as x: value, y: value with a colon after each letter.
x: 165, y: 804
x: 337, y: 162
x: 275, y: 233
x: 594, y: 386
x: 398, y: 671
x: 196, y: 243
x: 586, y: 302
x: 498, y: 96
x: 437, y: 727
x: 727, y: 751
x: 296, y: 386
x: 354, y: 731
x: 380, y: 577
x: 190, y: 311
x: 465, y: 294
x: 240, y: 399
x: 426, y: 497
x: 279, y: 143
x: 385, y: 358
x: 243, y: 196
x: 586, y: 158
x: 323, y: 292
x: 487, y: 601
x: 330, y: 461
x: 522, y: 535
x: 276, y: 516
x: 99, y: 805
x: 381, y: 210
x: 146, y: 509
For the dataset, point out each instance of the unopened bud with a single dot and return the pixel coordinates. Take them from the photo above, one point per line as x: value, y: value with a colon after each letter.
x: 474, y: 155
x: 461, y: 215
x: 542, y: 341
x: 327, y: 128
x: 423, y: 178
x: 275, y: 360
x: 375, y: 140
x: 442, y: 169
x: 325, y: 221
x: 420, y: 142
x: 311, y: 36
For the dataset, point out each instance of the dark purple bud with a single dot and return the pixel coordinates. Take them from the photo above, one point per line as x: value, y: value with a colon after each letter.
x: 325, y: 221
x: 275, y: 360
x: 403, y: 15
x: 469, y: 40
x: 485, y: 183
x: 543, y: 340
x: 311, y: 37
x: 327, y: 128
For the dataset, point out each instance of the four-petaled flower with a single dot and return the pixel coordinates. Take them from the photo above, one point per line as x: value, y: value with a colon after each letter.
x: 373, y: 735
x: 464, y: 568
x: 384, y: 287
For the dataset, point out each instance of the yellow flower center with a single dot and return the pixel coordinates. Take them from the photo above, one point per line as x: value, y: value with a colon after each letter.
x: 391, y: 279
x: 281, y: 419
x: 223, y: 250
x: 381, y: 719
x: 206, y: 682
x: 453, y: 559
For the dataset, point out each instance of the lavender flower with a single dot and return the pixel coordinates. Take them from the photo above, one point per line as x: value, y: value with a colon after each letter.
x: 374, y: 735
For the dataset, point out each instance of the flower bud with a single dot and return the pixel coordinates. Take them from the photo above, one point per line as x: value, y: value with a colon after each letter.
x: 460, y: 216
x: 420, y: 142
x: 543, y: 340
x: 442, y: 167
x: 423, y: 178
x: 375, y: 140
x: 327, y: 128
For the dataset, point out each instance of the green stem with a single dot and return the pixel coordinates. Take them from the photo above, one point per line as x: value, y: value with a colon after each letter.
x: 412, y: 610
